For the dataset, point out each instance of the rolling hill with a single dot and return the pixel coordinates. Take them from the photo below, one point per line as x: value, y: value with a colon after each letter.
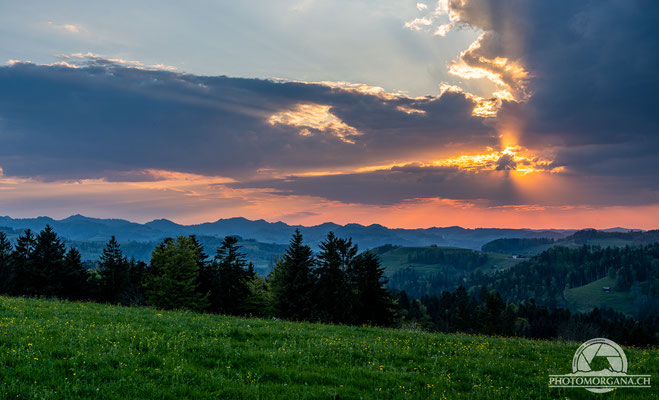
x: 614, y: 237
x: 587, y: 297
x: 62, y: 350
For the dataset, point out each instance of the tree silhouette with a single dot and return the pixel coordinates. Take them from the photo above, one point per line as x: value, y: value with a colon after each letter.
x: 46, y: 274
x: 114, y: 270
x: 333, y: 293
x: 292, y: 281
x: 6, y: 267
x: 232, y: 290
x: 372, y: 302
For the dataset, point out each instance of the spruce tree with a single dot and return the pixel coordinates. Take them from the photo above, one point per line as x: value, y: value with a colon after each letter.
x: 21, y: 259
x: 208, y: 281
x: 6, y: 267
x: 46, y: 267
x: 373, y: 303
x: 74, y: 276
x: 233, y: 278
x: 292, y: 281
x: 115, y: 272
x: 173, y: 278
x: 333, y: 293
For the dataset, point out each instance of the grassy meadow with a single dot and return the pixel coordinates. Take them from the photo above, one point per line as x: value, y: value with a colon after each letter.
x: 587, y: 297
x: 62, y: 350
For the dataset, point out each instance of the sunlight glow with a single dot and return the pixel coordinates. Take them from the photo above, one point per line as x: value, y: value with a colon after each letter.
x: 315, y: 117
x: 410, y: 110
x: 511, y: 158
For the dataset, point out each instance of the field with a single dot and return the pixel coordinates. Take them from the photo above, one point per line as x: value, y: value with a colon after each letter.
x: 61, y: 350
x: 587, y: 297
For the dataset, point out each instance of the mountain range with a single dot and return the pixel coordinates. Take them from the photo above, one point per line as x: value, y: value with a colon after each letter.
x: 81, y: 228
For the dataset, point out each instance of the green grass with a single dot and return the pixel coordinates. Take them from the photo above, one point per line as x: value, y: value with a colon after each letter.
x: 62, y: 350
x: 587, y: 297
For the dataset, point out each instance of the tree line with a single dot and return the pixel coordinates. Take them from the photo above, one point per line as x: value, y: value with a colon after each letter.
x: 339, y: 285
x: 487, y: 313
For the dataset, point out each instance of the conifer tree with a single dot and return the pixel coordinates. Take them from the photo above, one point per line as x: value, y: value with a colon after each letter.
x: 208, y: 281
x: 292, y: 281
x: 173, y: 278
x: 373, y: 304
x: 115, y: 272
x: 233, y: 278
x: 21, y: 259
x: 46, y: 266
x: 6, y: 267
x: 333, y: 292
x: 74, y: 276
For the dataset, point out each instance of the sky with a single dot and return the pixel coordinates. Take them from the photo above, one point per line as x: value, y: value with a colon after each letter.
x: 477, y: 113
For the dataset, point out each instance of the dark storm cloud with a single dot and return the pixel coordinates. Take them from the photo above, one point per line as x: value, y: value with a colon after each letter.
x: 391, y: 186
x: 490, y: 188
x: 71, y: 123
x: 593, y: 74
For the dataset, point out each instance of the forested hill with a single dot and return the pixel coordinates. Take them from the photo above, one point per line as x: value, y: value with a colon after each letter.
x: 591, y: 237
x: 628, y: 275
x: 84, y: 229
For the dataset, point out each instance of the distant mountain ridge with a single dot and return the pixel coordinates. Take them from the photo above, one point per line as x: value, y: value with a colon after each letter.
x: 81, y: 228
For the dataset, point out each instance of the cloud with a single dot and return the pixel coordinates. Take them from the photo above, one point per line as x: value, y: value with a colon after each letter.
x: 313, y: 118
x: 575, y: 77
x: 111, y: 115
x: 418, y: 23
x: 498, y: 187
x: 566, y: 119
x: 98, y: 60
x: 506, y: 162
x: 68, y: 28
x: 395, y: 185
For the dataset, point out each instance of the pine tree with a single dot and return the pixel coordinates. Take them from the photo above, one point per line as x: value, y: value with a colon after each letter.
x: 173, y: 277
x: 233, y: 278
x: 334, y: 296
x: 208, y: 282
x: 6, y: 267
x: 115, y: 272
x: 292, y: 281
x: 74, y: 276
x: 373, y: 303
x: 21, y: 259
x: 46, y: 272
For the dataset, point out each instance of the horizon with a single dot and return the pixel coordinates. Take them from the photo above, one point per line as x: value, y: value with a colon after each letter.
x: 319, y: 224
x: 412, y: 115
